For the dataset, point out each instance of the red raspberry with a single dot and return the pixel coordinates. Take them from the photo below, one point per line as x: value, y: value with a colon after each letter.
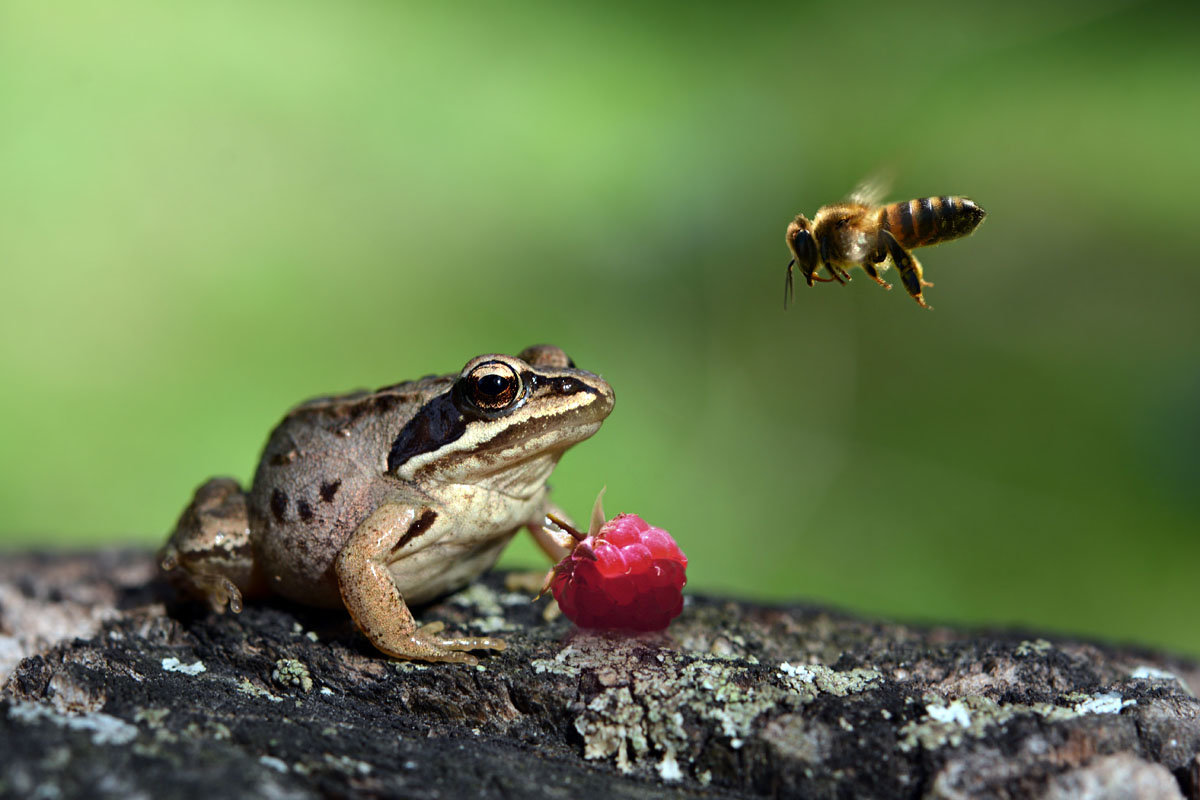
x: 627, y: 575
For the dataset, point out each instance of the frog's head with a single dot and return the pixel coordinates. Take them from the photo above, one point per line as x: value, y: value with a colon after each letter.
x: 504, y: 422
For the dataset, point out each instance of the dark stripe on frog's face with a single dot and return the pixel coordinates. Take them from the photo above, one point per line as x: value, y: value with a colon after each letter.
x: 437, y: 424
x: 554, y: 406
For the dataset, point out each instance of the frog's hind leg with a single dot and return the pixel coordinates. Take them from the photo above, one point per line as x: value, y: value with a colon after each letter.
x: 209, y: 555
x: 910, y: 269
x: 370, y: 595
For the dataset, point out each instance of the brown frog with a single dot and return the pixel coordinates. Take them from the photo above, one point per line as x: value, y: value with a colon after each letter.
x: 374, y: 500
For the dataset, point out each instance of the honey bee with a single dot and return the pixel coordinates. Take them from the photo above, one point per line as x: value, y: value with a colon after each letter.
x: 861, y: 233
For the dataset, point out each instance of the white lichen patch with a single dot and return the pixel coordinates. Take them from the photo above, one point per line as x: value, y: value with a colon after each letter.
x: 350, y: 766
x: 271, y: 762
x: 491, y: 624
x: 614, y: 725
x: 1036, y: 647
x: 715, y: 691
x: 645, y: 702
x: 956, y: 712
x: 290, y: 672
x: 479, y: 597
x: 948, y: 723
x: 1103, y: 703
x: 173, y: 664
x: 105, y: 729
x: 668, y: 769
x: 1148, y: 673
x: 809, y: 680
x: 516, y: 599
x: 246, y: 687
x: 485, y: 603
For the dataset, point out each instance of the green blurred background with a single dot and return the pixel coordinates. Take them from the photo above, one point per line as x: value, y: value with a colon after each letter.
x: 210, y: 211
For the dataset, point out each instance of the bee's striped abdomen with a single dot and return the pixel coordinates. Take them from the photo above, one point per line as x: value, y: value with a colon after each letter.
x: 929, y: 220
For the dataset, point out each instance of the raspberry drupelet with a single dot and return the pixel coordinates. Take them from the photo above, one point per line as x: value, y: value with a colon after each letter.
x: 625, y: 575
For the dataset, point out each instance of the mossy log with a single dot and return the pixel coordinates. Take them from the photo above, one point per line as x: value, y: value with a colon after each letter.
x: 113, y: 689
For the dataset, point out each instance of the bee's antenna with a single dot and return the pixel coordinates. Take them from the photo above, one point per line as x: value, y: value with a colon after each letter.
x: 789, y: 288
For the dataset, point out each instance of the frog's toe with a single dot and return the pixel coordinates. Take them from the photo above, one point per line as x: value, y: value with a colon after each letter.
x: 472, y: 643
x: 430, y: 646
x: 218, y: 590
x: 223, y: 592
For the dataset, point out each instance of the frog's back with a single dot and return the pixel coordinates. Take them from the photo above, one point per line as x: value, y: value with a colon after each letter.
x: 323, y: 470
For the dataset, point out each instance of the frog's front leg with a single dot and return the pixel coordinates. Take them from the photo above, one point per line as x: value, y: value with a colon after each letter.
x: 556, y: 543
x: 370, y: 594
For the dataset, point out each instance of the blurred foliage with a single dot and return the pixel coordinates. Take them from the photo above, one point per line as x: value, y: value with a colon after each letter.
x: 210, y: 211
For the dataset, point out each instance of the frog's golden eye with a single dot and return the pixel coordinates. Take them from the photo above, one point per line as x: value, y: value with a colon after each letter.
x: 493, y: 386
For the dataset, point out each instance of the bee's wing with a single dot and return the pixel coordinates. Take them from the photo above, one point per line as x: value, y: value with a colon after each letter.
x: 871, y: 190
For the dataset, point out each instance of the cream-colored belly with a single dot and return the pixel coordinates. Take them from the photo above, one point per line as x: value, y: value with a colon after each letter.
x: 445, y: 566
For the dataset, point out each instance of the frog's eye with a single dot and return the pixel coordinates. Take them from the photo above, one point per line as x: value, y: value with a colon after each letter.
x: 492, y: 386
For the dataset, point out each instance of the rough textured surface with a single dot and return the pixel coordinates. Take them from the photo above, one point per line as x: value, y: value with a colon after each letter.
x: 112, y: 689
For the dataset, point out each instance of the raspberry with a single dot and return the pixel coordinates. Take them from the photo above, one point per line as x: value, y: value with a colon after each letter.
x: 625, y: 575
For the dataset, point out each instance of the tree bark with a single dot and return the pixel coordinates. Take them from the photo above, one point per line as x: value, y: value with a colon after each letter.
x: 114, y: 689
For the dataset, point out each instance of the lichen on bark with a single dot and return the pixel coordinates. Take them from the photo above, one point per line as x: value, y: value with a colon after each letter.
x: 112, y: 688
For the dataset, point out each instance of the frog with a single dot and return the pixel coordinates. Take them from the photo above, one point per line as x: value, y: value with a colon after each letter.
x: 375, y: 501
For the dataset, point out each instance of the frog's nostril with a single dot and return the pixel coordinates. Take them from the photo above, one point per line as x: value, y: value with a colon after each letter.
x: 569, y: 386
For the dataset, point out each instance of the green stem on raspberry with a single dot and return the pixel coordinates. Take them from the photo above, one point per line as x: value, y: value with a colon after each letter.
x: 566, y: 526
x: 598, y: 520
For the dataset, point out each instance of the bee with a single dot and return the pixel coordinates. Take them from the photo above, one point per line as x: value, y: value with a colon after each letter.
x: 862, y: 233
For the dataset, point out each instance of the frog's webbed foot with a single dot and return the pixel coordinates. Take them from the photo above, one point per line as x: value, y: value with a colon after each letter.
x: 217, y: 589
x: 209, y: 555
x: 435, y: 647
x: 370, y: 595
x: 426, y: 644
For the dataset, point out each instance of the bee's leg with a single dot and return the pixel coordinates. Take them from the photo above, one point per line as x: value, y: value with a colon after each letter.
x: 910, y: 268
x: 869, y: 268
x: 877, y: 255
x: 833, y: 269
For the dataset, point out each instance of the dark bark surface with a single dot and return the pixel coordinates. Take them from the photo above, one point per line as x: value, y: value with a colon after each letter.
x: 112, y: 689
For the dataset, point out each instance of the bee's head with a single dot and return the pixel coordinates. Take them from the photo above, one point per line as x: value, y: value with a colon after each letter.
x: 803, y: 246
